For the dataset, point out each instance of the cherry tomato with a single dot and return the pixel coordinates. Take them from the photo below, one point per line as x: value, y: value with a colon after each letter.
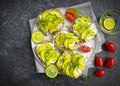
x: 100, y: 73
x: 110, y: 46
x: 70, y: 16
x: 110, y: 62
x: 99, y: 61
x: 84, y: 48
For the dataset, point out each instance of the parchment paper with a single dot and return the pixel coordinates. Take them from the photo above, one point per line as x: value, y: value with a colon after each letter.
x: 85, y: 8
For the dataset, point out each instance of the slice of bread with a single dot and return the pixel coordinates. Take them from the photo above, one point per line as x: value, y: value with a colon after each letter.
x: 83, y: 30
x: 62, y: 46
x: 50, y: 21
x: 42, y: 57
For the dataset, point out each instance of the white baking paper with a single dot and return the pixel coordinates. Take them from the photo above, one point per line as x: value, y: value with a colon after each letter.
x: 87, y: 9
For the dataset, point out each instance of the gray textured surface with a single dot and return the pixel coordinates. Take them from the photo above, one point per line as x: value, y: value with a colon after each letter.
x: 16, y: 58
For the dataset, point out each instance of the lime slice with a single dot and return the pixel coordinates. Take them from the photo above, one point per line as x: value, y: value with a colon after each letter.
x: 37, y: 36
x: 109, y: 23
x: 51, y: 71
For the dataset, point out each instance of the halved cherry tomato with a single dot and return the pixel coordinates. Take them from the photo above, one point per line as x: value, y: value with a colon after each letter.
x: 110, y: 62
x: 70, y: 16
x: 99, y: 61
x: 100, y: 73
x: 84, y: 48
x: 110, y: 46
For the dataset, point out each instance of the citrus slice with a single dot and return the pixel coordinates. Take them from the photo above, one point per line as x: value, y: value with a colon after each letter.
x: 109, y: 23
x: 51, y: 71
x: 37, y: 36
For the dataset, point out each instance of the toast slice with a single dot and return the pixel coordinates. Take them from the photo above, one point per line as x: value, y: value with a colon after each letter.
x: 65, y: 41
x: 82, y: 28
x: 50, y: 21
x: 46, y: 53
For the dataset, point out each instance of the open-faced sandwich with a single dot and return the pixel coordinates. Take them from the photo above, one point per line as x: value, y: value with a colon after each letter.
x: 50, y: 21
x: 47, y: 53
x: 65, y: 40
x: 82, y: 28
x: 71, y: 64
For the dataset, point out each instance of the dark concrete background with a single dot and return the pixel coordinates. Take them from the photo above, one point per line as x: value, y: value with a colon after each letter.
x: 17, y: 67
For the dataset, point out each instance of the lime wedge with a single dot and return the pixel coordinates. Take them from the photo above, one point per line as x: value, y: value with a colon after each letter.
x: 51, y: 71
x: 109, y: 23
x: 37, y: 36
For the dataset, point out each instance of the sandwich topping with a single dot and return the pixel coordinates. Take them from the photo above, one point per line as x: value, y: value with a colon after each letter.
x: 66, y: 40
x: 82, y: 28
x: 50, y: 21
x: 71, y: 64
x: 47, y: 53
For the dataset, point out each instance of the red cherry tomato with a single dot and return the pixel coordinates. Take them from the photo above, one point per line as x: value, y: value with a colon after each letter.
x: 99, y: 61
x: 110, y: 63
x: 100, y: 73
x: 84, y: 48
x: 70, y: 16
x: 110, y: 46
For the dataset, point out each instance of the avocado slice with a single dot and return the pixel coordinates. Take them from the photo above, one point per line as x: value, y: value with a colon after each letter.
x: 81, y: 66
x: 69, y: 35
x: 68, y: 56
x: 84, y: 32
x: 60, y: 61
x: 55, y: 12
x: 75, y: 72
x: 90, y: 33
x: 68, y: 68
x: 57, y: 39
x: 66, y: 43
x: 61, y: 38
x: 84, y: 19
x: 65, y: 62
